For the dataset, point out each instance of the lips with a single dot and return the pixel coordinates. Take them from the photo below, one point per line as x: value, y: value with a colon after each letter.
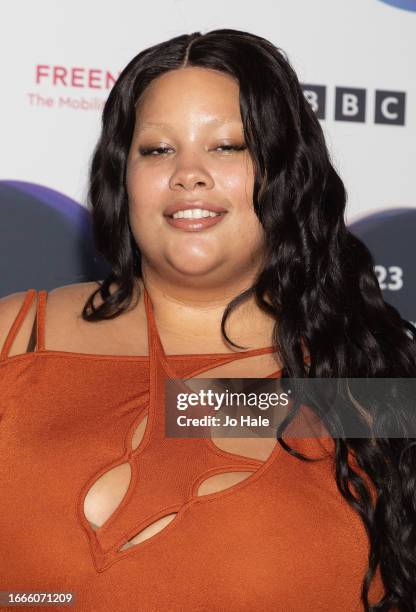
x: 184, y: 205
x: 195, y: 225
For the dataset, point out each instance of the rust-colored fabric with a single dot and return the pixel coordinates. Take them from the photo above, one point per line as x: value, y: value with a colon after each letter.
x: 282, y: 539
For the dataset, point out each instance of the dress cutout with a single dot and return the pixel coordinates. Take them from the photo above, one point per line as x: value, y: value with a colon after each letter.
x: 164, y: 472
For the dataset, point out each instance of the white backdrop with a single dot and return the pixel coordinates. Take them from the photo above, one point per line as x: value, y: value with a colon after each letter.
x: 360, y: 44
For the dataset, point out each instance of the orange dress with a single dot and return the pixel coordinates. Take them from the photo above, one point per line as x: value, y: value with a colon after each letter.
x: 283, y: 539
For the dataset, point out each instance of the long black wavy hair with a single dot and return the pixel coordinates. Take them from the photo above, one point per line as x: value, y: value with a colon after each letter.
x: 319, y: 277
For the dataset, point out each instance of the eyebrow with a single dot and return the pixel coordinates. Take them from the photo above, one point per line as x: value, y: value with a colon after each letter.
x: 150, y: 124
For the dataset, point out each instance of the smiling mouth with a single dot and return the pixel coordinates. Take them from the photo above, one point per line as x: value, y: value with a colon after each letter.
x: 211, y: 215
x: 196, y: 224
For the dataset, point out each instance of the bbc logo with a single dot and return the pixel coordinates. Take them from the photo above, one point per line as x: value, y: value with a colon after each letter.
x: 351, y: 104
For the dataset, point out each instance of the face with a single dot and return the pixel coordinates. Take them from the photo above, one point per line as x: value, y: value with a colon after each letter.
x: 188, y: 148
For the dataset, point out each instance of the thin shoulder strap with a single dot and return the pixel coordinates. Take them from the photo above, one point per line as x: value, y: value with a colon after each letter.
x: 153, y: 339
x: 37, y: 337
x: 17, y: 323
x: 40, y: 321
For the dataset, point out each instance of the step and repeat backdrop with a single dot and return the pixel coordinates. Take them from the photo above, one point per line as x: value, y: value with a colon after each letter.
x: 59, y: 61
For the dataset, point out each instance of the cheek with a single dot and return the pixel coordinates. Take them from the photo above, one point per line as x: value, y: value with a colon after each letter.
x: 238, y: 185
x: 146, y: 190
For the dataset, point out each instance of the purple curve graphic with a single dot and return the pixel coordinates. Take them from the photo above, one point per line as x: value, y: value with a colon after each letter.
x: 77, y: 214
x: 378, y: 218
x: 406, y: 5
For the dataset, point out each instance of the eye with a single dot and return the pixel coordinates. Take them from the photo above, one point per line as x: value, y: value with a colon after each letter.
x: 157, y: 151
x: 232, y: 147
x: 154, y: 152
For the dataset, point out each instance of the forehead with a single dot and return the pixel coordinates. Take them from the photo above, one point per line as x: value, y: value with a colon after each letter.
x: 189, y: 93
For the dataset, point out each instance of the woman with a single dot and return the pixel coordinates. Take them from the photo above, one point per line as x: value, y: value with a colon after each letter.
x: 101, y: 502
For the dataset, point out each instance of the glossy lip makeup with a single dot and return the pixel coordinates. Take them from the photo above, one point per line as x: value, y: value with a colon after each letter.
x: 195, y: 225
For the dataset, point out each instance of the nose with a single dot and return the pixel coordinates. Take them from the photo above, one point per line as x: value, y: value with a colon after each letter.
x: 190, y: 173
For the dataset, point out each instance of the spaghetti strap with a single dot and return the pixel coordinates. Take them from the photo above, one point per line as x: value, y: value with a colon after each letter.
x: 152, y: 333
x: 17, y: 323
x: 40, y: 321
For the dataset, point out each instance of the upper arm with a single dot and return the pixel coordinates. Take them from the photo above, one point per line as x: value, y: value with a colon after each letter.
x: 9, y: 309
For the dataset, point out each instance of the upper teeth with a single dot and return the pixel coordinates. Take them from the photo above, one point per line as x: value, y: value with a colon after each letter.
x: 194, y: 213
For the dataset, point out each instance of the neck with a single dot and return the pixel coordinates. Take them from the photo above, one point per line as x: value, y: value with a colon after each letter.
x: 190, y: 321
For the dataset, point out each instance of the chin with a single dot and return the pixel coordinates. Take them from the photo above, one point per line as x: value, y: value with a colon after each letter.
x: 195, y: 270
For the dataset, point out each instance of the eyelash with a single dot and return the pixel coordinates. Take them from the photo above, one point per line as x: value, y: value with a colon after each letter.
x: 149, y: 152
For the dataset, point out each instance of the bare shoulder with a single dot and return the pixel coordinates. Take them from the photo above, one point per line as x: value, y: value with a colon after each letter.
x: 64, y: 309
x: 69, y: 300
x: 67, y: 330
x: 65, y: 327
